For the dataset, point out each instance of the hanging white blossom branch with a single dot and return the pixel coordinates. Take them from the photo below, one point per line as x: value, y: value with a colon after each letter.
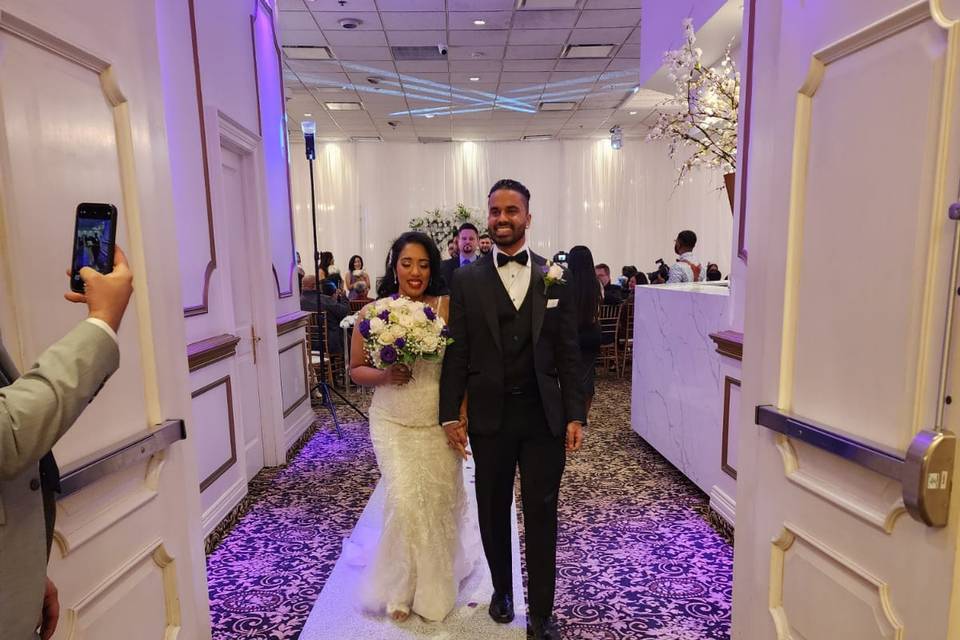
x: 702, y: 115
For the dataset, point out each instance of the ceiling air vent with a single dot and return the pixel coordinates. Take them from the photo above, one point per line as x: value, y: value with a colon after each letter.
x: 534, y: 138
x: 342, y: 106
x: 366, y: 139
x: 558, y: 106
x: 588, y: 51
x: 307, y: 52
x: 431, y: 140
x: 548, y: 4
x: 417, y: 53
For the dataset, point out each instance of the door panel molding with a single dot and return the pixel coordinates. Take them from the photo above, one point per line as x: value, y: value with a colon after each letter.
x: 123, y: 579
x: 879, y: 510
x: 806, y: 547
x: 896, y: 23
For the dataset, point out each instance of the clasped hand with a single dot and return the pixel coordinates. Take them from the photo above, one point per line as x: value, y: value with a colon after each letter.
x: 457, y: 437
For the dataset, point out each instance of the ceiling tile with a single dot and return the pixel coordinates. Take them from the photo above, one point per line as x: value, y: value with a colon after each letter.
x: 356, y: 38
x: 534, y: 52
x: 494, y: 19
x: 480, y: 90
x: 475, y: 65
x: 624, y: 64
x: 464, y: 78
x: 629, y: 51
x: 326, y: 6
x: 410, y: 5
x: 612, y: 4
x: 295, y: 20
x: 532, y: 77
x: 314, y: 66
x: 584, y: 64
x: 329, y: 20
x: 574, y: 78
x: 476, y: 5
x: 539, y: 36
x: 302, y: 37
x: 413, y: 20
x: 475, y: 53
x: 634, y: 37
x: 545, y: 19
x: 426, y: 77
x: 528, y: 65
x: 291, y: 5
x: 412, y: 66
x: 415, y: 38
x: 599, y: 36
x: 609, y: 18
x: 483, y: 38
x: 362, y: 53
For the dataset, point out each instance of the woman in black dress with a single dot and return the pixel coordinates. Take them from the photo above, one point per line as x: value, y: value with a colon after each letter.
x: 586, y: 295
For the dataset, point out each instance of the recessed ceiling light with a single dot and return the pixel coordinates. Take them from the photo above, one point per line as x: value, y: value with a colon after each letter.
x: 479, y: 23
x: 633, y: 113
x: 307, y: 115
x: 474, y: 79
x: 428, y: 115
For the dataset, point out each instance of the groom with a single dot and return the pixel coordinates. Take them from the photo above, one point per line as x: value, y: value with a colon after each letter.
x: 514, y: 355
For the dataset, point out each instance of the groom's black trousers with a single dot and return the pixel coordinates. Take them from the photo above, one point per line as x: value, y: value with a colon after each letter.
x: 524, y: 439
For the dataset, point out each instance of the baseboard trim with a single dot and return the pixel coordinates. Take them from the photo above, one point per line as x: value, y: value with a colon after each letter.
x: 724, y: 508
x: 220, y: 509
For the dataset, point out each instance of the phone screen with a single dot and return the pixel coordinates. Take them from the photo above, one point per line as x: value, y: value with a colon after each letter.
x: 94, y: 236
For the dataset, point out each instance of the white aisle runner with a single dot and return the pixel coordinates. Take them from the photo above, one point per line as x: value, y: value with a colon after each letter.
x: 335, y: 615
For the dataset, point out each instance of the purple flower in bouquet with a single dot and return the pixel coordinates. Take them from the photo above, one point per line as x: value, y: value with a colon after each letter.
x: 427, y: 311
x: 388, y: 355
x: 445, y: 332
x: 395, y: 296
x: 384, y: 315
x: 399, y: 343
x: 364, y: 328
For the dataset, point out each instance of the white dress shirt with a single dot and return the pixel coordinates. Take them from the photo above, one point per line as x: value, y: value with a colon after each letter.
x: 514, y: 276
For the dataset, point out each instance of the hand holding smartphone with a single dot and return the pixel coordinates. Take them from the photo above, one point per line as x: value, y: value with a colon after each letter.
x: 94, y: 237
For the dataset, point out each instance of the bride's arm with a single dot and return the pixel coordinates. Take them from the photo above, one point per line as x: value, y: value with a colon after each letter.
x: 360, y: 370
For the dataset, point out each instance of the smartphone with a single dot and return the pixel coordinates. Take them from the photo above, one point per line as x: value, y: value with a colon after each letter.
x: 94, y: 236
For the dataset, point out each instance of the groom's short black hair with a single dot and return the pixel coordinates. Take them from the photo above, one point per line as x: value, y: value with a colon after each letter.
x: 511, y: 185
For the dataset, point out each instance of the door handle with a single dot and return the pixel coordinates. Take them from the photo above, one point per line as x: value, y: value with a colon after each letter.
x: 925, y: 472
x: 254, y: 339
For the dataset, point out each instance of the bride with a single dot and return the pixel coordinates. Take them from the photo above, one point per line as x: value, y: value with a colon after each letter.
x: 420, y: 558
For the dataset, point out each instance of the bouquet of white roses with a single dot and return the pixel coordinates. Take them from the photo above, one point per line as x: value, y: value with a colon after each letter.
x: 398, y: 329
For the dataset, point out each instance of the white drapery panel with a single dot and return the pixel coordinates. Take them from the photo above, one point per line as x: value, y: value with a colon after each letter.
x: 624, y: 204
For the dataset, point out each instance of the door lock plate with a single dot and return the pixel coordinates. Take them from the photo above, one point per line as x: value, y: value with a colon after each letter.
x: 928, y: 476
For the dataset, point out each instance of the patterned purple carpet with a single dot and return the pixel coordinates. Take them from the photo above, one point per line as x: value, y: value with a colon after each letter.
x: 637, y: 556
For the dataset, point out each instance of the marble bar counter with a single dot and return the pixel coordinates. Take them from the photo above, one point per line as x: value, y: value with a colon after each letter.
x: 681, y: 395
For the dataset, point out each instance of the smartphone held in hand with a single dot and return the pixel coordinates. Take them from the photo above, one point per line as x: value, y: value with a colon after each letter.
x: 94, y: 237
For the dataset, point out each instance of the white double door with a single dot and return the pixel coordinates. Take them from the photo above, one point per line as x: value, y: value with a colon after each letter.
x: 855, y: 160
x: 81, y: 119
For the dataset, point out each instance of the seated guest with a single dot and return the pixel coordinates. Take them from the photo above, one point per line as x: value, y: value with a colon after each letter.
x: 713, y: 272
x: 336, y: 311
x: 687, y: 268
x: 359, y: 292
x: 486, y: 244
x: 452, y: 249
x: 612, y: 293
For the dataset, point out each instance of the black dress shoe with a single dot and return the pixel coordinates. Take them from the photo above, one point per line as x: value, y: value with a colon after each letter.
x: 501, y: 608
x: 542, y: 628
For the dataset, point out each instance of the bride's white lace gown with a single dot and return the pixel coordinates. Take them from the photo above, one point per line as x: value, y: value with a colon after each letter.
x: 421, y: 556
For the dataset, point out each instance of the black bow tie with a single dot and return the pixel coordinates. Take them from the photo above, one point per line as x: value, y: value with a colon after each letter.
x: 521, y: 259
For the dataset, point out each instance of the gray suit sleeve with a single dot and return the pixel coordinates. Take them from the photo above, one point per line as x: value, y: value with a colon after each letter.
x: 38, y: 408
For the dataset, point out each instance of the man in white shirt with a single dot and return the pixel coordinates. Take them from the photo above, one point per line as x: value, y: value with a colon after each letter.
x: 687, y: 268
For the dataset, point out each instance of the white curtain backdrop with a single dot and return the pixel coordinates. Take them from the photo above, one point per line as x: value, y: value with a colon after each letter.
x: 624, y: 204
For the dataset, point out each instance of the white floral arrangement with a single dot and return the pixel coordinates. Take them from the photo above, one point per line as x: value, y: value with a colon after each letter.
x: 702, y: 114
x: 349, y: 321
x: 332, y: 269
x: 442, y: 224
x: 357, y: 273
x: 400, y: 330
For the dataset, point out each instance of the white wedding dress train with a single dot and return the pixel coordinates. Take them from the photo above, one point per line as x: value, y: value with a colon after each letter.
x: 426, y: 546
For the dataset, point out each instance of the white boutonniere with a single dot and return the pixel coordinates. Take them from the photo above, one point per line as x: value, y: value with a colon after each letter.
x: 553, y: 274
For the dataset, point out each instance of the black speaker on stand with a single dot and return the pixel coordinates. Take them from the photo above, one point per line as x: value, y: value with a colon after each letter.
x: 309, y: 128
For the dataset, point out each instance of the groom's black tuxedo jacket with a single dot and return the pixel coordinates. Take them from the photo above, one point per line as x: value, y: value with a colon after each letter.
x: 474, y: 363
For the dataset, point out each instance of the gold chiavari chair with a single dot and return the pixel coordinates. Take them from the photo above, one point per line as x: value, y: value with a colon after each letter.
x: 608, y: 318
x: 626, y: 331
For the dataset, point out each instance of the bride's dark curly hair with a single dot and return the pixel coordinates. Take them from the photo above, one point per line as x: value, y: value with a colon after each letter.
x: 389, y: 285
